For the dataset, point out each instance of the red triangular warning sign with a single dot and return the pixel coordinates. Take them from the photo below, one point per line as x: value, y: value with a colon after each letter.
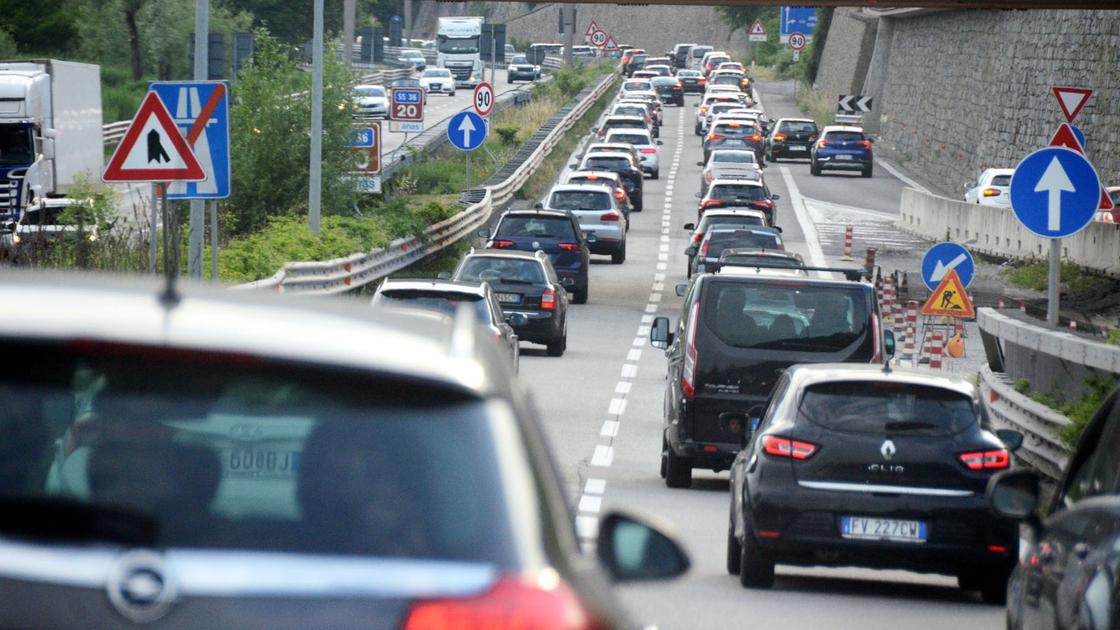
x: 153, y: 149
x: 757, y: 28
x: 1106, y: 201
x: 949, y: 298
x: 611, y: 45
x: 1071, y: 100
x: 1064, y: 137
x: 591, y: 28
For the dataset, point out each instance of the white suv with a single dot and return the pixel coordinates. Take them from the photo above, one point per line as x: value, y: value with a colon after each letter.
x: 992, y: 188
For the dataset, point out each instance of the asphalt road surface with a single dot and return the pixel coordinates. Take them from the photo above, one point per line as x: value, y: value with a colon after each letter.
x: 602, y: 407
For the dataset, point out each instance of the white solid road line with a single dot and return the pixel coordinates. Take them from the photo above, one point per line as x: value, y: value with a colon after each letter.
x: 901, y: 176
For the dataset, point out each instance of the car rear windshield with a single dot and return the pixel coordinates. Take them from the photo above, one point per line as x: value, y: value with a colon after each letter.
x: 441, y: 301
x: 691, y: 74
x: 156, y: 448
x: 737, y: 193
x: 580, y: 200
x: 736, y: 157
x: 726, y: 79
x: 497, y: 270
x: 664, y: 82
x: 624, y: 124
x: 721, y: 239
x: 592, y: 179
x: 845, y: 136
x: 732, y: 221
x: 607, y: 164
x: 636, y: 85
x: 698, y: 52
x: 734, y: 130
x: 789, y: 315
x: 758, y: 259
x: 369, y: 92
x: 520, y: 61
x: 1001, y: 180
x: 630, y: 110
x: 629, y: 138
x: 798, y: 127
x: 558, y: 228
x: 726, y: 106
x: 887, y: 407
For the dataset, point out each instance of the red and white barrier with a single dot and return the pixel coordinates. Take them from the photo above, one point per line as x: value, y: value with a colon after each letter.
x: 908, y: 345
x: 848, y: 232
x: 936, y: 346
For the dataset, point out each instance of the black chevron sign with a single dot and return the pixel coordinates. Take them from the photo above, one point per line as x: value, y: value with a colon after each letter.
x: 854, y: 103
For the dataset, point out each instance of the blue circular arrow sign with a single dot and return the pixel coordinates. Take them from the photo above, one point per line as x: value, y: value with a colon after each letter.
x: 1055, y: 192
x: 466, y: 131
x: 942, y: 257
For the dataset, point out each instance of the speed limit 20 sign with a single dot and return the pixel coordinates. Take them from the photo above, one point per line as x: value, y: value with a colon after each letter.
x: 406, y: 103
x: 484, y: 99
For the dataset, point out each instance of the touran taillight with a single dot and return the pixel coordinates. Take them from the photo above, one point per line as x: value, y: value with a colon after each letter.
x: 512, y: 602
x: 688, y: 374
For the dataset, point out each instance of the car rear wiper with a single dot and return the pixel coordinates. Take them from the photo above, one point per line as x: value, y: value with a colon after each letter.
x: 908, y: 425
x: 71, y: 520
x: 514, y: 281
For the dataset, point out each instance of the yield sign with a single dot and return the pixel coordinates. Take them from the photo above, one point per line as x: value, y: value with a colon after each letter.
x: 949, y: 298
x: 1065, y: 137
x: 153, y: 149
x: 1071, y: 100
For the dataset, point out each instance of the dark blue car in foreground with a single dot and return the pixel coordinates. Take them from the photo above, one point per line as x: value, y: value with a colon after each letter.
x: 554, y: 233
x: 842, y: 148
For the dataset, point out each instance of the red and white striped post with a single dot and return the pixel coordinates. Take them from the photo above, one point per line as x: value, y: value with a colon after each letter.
x: 935, y: 351
x: 848, y: 231
x: 911, y: 331
x: 887, y: 305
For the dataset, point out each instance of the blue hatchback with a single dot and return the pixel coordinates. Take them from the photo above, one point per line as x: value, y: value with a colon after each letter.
x: 842, y: 148
x: 554, y: 233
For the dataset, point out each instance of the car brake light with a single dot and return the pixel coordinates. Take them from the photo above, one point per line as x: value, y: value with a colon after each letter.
x: 715, y: 136
x: 864, y: 144
x: 823, y: 143
x: 648, y: 151
x: 710, y: 203
x: 756, y: 137
x: 509, y: 603
x: 701, y: 82
x: 986, y: 460
x: 648, y: 119
x: 784, y: 447
x: 779, y: 137
x: 548, y: 300
x: 708, y: 177
x: 704, y: 109
x: 696, y: 237
x: 609, y: 216
x: 991, y: 192
x: 571, y: 247
x: 619, y: 195
x: 688, y: 374
x: 501, y: 244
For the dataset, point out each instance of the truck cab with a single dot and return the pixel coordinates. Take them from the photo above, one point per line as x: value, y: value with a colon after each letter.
x: 50, y: 130
x: 457, y: 49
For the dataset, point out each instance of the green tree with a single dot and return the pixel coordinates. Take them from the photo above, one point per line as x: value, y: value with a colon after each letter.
x: 8, y: 47
x: 289, y: 21
x: 41, y: 26
x: 271, y: 118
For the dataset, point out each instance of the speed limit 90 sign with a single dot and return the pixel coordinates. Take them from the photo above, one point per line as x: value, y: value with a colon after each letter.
x: 484, y: 99
x: 406, y: 104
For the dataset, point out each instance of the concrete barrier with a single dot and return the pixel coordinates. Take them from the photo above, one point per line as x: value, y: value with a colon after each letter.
x: 996, y: 232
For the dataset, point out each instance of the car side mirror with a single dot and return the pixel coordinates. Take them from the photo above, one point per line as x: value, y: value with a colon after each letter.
x: 517, y: 320
x: 691, y: 251
x: 681, y: 289
x: 689, y: 226
x: 484, y: 233
x: 775, y: 196
x: 699, y: 164
x: 1014, y: 494
x: 591, y: 238
x: 888, y: 342
x: 594, y: 130
x: 1011, y: 438
x: 696, y: 104
x: 659, y: 335
x: 699, y: 196
x: 538, y: 206
x: 632, y: 549
x: 660, y: 143
x: 444, y: 275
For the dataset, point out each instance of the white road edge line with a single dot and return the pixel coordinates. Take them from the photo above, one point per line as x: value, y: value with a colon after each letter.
x: 902, y: 176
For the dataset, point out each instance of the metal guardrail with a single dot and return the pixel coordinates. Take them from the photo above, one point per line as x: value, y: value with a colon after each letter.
x: 113, y: 132
x: 343, y: 274
x: 1038, y: 423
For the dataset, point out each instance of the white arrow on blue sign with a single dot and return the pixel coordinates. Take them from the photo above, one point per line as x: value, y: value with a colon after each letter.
x: 1055, y: 192
x: 942, y: 258
x: 467, y: 131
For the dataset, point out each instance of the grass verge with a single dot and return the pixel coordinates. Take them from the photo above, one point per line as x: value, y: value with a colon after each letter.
x: 816, y: 105
x: 1035, y: 275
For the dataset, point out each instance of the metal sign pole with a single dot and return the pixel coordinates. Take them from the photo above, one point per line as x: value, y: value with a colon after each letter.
x: 1052, y: 293
x: 153, y: 232
x: 198, y: 208
x: 493, y: 55
x: 315, y: 186
x: 213, y: 241
x: 468, y: 170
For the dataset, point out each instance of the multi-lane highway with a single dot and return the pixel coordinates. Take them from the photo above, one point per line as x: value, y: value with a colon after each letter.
x: 602, y: 407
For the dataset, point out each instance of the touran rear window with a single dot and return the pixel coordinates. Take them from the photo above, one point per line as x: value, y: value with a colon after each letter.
x: 886, y: 407
x: 790, y: 315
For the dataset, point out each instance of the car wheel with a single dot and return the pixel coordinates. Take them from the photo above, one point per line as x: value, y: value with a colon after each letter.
x: 678, y: 471
x: 656, y: 174
x: 756, y: 566
x: 773, y: 157
x: 868, y: 171
x: 618, y: 256
x: 664, y: 457
x: 579, y: 297
x: 696, y: 130
x: 734, y: 549
x: 452, y: 94
x: 814, y: 169
x: 993, y: 587
x: 557, y: 348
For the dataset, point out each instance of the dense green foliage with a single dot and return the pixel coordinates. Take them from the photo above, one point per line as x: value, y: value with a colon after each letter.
x: 1035, y: 275
x: 1079, y: 411
x: 771, y: 53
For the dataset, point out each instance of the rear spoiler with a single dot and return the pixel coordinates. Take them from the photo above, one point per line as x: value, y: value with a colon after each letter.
x: 853, y: 274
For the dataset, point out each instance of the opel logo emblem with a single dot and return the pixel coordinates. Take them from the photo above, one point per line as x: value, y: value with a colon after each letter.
x: 888, y: 450
x: 536, y: 244
x: 140, y: 588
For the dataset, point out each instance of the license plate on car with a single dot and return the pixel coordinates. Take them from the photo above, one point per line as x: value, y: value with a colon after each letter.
x: 797, y: 148
x: 874, y: 528
x: 509, y: 298
x: 262, y: 462
x: 845, y: 158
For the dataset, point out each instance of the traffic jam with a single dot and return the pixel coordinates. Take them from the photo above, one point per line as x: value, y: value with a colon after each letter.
x: 432, y: 453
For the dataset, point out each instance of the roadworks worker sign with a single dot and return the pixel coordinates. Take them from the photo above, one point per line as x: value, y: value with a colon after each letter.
x: 949, y: 299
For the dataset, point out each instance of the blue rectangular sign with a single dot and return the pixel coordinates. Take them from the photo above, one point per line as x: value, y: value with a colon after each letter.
x: 187, y: 101
x: 798, y: 20
x: 407, y: 95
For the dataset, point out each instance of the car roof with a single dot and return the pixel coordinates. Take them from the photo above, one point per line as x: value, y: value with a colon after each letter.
x: 808, y: 120
x: 646, y: 132
x: 551, y: 214
x: 433, y: 284
x: 803, y: 375
x: 623, y: 118
x: 734, y: 182
x: 608, y: 154
x: 331, y: 332
x: 759, y: 251
x: 715, y: 213
x: 509, y: 253
x: 1000, y: 171
x: 369, y: 85
x: 723, y: 151
x: 587, y: 172
x: 761, y: 229
x: 580, y: 187
x: 842, y: 128
x: 620, y: 147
